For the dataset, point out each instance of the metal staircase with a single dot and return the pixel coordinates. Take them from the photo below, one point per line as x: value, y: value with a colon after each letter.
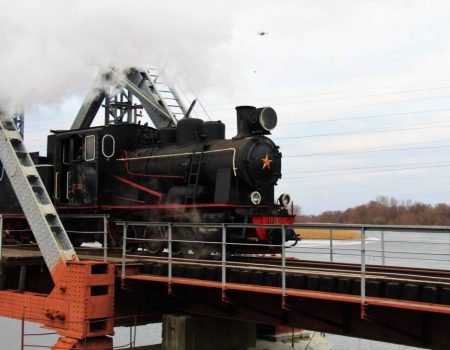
x: 41, y: 215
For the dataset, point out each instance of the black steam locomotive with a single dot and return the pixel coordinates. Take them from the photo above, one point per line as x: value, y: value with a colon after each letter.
x: 187, y: 173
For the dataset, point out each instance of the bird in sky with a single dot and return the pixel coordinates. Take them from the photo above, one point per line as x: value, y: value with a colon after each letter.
x: 262, y: 33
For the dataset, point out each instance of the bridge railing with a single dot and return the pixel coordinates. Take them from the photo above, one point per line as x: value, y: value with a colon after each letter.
x: 172, y: 247
x: 94, y: 234
x: 413, y: 246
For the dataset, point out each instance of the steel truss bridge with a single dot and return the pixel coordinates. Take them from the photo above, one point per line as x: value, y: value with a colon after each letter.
x: 392, y: 284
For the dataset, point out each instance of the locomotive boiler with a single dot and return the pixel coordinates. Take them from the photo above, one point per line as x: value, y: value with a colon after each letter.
x: 187, y: 173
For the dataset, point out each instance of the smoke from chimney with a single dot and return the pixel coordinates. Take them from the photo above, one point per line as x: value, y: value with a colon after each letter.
x: 50, y: 49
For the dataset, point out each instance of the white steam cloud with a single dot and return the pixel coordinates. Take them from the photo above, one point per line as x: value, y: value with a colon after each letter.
x: 53, y: 48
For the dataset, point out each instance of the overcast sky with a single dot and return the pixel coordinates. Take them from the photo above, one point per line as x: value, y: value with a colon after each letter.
x: 362, y: 89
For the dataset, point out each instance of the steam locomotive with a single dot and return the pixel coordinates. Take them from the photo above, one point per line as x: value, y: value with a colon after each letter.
x: 187, y: 173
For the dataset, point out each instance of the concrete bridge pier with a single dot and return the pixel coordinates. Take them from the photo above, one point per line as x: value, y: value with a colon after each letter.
x: 182, y: 332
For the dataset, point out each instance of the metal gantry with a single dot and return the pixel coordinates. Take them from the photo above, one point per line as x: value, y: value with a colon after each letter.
x: 36, y: 204
x: 117, y: 92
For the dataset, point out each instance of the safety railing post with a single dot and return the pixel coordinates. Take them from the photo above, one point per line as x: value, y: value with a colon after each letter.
x: 124, y: 248
x: 22, y: 335
x: 283, y: 261
x: 224, y: 256
x: 105, y: 238
x: 383, y: 257
x: 169, y: 247
x: 449, y: 244
x: 331, y: 245
x: 363, y: 271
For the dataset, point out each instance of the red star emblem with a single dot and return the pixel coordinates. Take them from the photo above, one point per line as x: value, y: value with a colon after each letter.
x: 266, y: 162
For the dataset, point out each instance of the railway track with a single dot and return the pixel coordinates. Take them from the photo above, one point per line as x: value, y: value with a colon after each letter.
x: 273, y: 263
x: 404, y: 283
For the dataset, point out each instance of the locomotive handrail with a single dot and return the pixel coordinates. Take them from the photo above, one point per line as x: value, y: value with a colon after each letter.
x: 159, y: 156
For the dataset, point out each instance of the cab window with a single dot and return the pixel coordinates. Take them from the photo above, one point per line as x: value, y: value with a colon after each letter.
x: 72, y: 150
x: 89, y: 148
x: 108, y: 146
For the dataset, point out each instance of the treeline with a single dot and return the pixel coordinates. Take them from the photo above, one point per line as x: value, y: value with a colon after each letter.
x: 386, y: 211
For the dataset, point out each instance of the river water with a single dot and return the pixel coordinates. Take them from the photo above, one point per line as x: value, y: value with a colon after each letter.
x: 401, y: 249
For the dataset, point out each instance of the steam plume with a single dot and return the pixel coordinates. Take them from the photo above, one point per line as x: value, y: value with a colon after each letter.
x: 53, y: 48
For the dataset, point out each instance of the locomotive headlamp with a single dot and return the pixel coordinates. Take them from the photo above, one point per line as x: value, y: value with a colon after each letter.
x: 255, y: 197
x: 284, y: 199
x: 267, y: 118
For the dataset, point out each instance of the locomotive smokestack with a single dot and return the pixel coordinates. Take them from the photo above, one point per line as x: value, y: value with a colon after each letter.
x: 243, y: 115
x: 255, y: 121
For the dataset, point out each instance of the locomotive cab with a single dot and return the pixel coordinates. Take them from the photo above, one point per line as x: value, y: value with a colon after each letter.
x: 85, y: 159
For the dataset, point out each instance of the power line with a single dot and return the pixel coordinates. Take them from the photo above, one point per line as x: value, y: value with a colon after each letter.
x: 342, y: 97
x: 400, y: 114
x: 376, y: 148
x: 370, y: 167
x: 338, y: 91
x: 363, y: 105
x: 363, y: 151
x: 367, y: 116
x: 366, y: 172
x: 374, y: 104
x: 367, y: 131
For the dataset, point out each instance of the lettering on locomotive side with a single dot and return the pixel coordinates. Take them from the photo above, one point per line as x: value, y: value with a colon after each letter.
x: 274, y: 221
x: 77, y: 187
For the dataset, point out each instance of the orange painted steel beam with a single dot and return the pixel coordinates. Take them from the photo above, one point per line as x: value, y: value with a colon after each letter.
x: 399, y: 321
x: 312, y: 294
x: 81, y: 305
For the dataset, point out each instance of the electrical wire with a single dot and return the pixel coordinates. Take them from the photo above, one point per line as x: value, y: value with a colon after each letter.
x: 335, y: 92
x: 369, y: 167
x: 365, y: 172
x: 369, y: 131
x: 347, y: 97
x: 324, y: 154
x: 401, y: 114
x: 204, y: 109
x: 362, y: 105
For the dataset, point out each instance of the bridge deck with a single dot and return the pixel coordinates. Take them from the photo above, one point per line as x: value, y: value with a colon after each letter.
x: 31, y: 255
x: 404, y: 305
